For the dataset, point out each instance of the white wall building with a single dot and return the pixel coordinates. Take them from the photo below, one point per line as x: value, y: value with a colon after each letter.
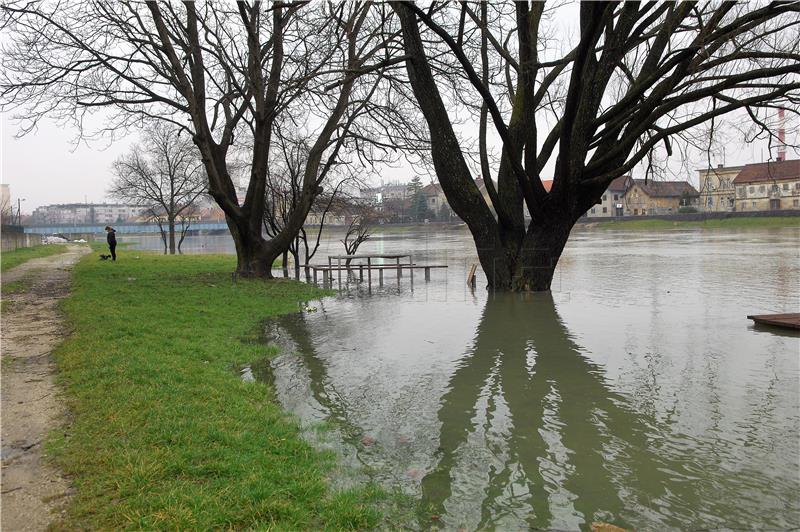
x: 85, y: 213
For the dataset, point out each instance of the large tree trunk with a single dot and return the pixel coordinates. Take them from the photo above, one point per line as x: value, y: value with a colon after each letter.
x: 527, y: 264
x: 171, y: 223
x: 253, y: 256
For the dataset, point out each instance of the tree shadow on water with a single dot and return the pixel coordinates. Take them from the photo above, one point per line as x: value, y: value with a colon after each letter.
x: 530, y: 433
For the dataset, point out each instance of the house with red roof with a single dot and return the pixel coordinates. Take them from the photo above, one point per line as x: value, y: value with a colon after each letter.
x: 769, y: 186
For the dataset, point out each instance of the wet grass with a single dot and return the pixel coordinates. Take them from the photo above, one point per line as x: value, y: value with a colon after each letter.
x: 725, y: 223
x: 164, y: 434
x: 11, y: 259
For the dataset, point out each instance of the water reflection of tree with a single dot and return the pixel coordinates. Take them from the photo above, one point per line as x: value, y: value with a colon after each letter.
x: 291, y: 333
x: 612, y: 461
x: 522, y: 343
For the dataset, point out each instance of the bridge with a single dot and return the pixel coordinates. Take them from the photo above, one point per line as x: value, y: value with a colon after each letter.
x: 122, y: 228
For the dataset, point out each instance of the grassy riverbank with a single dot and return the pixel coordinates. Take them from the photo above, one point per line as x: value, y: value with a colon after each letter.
x: 164, y: 434
x: 725, y: 223
x: 11, y: 259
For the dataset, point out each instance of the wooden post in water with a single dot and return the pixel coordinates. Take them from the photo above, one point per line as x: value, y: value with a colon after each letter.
x: 471, y: 276
x: 339, y: 270
x: 369, y: 272
x: 380, y: 277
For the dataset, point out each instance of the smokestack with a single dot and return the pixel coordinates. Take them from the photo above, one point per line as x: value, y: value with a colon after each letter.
x: 781, y: 135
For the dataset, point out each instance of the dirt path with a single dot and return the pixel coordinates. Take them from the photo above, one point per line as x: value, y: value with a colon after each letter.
x: 33, y: 493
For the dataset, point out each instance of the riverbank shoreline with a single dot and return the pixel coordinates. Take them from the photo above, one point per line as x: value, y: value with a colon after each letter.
x: 165, y: 433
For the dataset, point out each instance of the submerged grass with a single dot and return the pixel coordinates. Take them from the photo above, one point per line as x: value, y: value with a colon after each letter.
x: 12, y: 259
x: 725, y: 223
x: 165, y: 434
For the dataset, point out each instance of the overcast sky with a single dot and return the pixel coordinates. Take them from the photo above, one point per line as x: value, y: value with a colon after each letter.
x: 47, y: 167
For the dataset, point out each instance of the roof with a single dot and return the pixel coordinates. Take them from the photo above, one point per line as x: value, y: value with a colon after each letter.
x: 771, y: 171
x: 620, y: 183
x: 434, y: 189
x: 666, y: 189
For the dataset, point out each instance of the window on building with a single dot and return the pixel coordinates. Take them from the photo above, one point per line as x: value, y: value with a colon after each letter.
x: 593, y: 210
x: 605, y: 210
x: 762, y: 188
x: 752, y: 189
x: 786, y: 186
x: 775, y: 188
x: 616, y: 196
x: 604, y: 197
x: 754, y: 204
x: 795, y: 203
x: 740, y: 191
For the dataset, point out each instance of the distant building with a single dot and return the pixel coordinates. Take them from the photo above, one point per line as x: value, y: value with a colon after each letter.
x: 436, y: 200
x: 658, y: 197
x: 612, y: 201
x: 768, y: 186
x: 377, y: 196
x: 85, y: 213
x: 717, y: 192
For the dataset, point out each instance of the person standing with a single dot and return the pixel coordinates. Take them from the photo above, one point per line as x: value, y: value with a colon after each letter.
x: 111, y: 238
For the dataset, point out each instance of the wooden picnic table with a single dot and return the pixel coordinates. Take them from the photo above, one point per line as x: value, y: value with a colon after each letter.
x: 369, y: 257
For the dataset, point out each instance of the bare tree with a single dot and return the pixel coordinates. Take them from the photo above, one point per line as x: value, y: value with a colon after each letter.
x: 162, y: 174
x: 358, y: 230
x: 6, y: 211
x: 638, y: 77
x: 227, y: 73
x: 284, y: 183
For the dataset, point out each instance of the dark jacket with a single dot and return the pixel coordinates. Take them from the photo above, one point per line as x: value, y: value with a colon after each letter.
x: 111, y: 238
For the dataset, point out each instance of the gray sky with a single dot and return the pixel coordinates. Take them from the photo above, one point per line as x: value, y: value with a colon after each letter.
x: 47, y: 167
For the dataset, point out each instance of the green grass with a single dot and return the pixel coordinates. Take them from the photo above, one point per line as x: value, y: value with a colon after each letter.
x: 725, y: 223
x: 11, y: 259
x: 164, y: 433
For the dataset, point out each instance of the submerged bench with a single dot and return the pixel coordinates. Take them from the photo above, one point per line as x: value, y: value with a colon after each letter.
x: 369, y: 267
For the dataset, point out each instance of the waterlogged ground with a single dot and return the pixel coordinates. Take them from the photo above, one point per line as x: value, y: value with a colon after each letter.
x: 637, y: 393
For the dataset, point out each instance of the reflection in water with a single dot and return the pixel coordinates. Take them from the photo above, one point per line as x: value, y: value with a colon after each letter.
x: 523, y: 430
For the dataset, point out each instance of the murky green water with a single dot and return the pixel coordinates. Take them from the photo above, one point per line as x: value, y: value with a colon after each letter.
x: 637, y: 393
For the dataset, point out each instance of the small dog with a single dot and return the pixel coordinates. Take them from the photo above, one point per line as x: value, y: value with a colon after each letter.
x: 104, y: 257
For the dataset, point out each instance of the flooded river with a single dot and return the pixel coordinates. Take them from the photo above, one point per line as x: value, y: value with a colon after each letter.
x: 636, y: 393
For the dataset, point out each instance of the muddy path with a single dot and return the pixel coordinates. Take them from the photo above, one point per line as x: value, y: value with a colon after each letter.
x: 33, y: 492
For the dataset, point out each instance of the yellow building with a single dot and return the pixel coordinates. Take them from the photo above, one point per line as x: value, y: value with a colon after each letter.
x: 768, y: 186
x: 658, y: 197
x: 717, y: 192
